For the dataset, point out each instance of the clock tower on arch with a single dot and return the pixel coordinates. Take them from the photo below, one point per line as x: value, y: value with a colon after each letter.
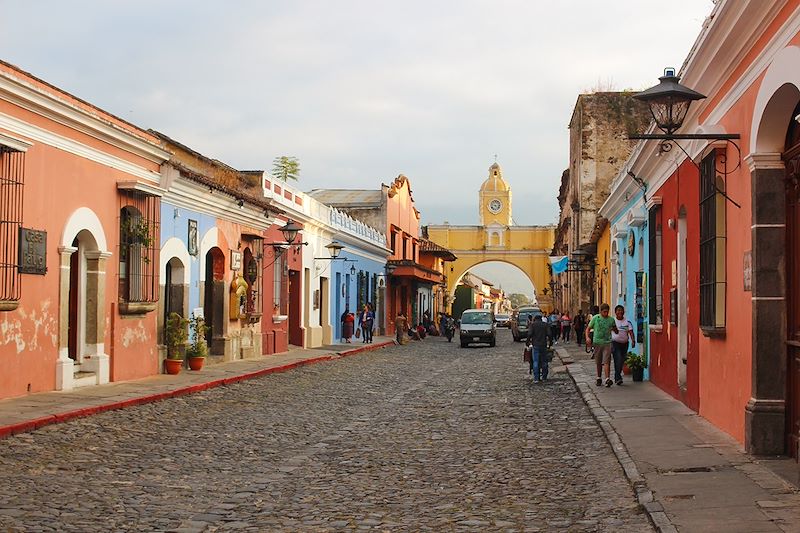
x: 495, y: 200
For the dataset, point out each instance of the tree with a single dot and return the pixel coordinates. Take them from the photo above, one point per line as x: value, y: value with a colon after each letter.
x: 518, y: 300
x: 286, y: 168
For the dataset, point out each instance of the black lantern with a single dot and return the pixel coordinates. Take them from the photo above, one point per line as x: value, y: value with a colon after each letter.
x: 669, y: 101
x: 290, y: 230
x: 352, y: 270
x: 252, y: 271
x: 334, y: 248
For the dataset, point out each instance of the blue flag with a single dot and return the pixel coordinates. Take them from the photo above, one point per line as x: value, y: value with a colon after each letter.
x: 559, y: 263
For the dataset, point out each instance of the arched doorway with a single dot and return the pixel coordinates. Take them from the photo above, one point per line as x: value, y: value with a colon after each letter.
x: 791, y: 158
x: 82, y: 316
x: 772, y: 414
x: 174, y: 289
x: 214, y: 300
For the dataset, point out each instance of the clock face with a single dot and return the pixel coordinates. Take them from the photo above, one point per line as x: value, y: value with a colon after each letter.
x: 495, y: 206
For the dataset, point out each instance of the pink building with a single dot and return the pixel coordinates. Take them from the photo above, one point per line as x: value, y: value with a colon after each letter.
x: 80, y: 215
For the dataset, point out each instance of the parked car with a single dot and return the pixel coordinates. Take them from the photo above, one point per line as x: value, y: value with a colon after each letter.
x: 519, y: 321
x: 502, y: 320
x: 477, y: 325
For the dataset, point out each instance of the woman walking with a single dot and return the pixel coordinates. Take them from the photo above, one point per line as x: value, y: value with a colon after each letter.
x: 347, y: 324
x: 366, y: 320
x: 619, y: 341
x: 566, y: 325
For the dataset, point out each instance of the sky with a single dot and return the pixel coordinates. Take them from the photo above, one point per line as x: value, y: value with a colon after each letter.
x: 360, y: 91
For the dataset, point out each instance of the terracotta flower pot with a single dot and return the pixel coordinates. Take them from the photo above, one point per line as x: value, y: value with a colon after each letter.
x: 196, y: 363
x: 173, y: 366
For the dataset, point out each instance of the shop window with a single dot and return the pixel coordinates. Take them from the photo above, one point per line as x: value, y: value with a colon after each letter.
x: 138, y: 251
x: 712, y: 246
x: 654, y: 280
x: 12, y: 171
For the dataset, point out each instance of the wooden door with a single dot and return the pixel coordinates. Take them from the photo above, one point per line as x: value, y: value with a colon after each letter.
x: 74, y: 298
x: 793, y: 301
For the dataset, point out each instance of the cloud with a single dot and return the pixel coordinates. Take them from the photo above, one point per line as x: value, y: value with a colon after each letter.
x: 360, y: 91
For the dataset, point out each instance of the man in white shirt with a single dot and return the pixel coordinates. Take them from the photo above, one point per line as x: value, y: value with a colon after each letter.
x: 619, y: 341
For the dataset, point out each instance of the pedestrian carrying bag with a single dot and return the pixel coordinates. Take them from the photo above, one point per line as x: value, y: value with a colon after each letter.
x: 358, y: 333
x: 526, y: 354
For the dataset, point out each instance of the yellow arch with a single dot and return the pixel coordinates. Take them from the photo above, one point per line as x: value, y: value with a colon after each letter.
x: 526, y: 247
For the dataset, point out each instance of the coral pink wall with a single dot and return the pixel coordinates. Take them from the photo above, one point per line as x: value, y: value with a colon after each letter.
x: 682, y: 189
x: 57, y: 183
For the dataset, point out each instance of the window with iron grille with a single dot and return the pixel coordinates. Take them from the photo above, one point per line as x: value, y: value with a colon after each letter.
x: 361, y: 284
x: 279, y: 274
x: 12, y: 171
x: 139, y: 234
x: 654, y: 280
x: 252, y: 270
x: 712, y: 245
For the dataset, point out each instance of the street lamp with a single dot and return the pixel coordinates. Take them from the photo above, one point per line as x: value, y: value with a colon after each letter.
x: 334, y: 248
x: 669, y: 101
x: 289, y: 231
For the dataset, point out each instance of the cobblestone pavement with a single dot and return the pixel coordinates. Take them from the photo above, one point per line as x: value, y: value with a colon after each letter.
x: 426, y: 436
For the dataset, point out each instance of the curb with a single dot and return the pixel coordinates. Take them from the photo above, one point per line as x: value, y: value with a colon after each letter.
x: 36, y: 423
x: 654, y: 510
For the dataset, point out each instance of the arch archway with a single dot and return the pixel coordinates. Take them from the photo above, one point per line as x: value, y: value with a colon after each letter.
x: 82, y: 287
x: 772, y: 414
x: 533, y: 264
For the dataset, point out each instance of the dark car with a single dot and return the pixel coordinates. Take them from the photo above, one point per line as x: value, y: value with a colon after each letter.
x: 502, y: 320
x: 477, y: 325
x: 519, y: 321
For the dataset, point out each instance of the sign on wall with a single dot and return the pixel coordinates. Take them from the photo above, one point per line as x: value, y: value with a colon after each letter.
x: 673, y: 307
x: 640, y: 315
x: 192, y: 237
x: 32, y: 251
x: 236, y: 260
x: 747, y: 270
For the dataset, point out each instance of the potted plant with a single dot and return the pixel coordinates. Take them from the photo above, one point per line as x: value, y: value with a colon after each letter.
x: 136, y: 234
x: 637, y: 363
x: 175, y: 337
x: 198, y: 349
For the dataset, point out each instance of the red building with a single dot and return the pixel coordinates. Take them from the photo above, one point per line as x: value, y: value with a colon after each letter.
x: 724, y: 229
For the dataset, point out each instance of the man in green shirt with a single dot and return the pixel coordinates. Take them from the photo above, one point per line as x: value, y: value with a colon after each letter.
x: 598, y: 333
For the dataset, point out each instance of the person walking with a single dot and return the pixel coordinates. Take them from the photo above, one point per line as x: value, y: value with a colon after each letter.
x: 539, y: 338
x: 579, y: 324
x: 400, y: 326
x: 366, y: 320
x: 619, y: 341
x: 348, y: 321
x: 554, y: 324
x: 566, y: 326
x: 599, y: 335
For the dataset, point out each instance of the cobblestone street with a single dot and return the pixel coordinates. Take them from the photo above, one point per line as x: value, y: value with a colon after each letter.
x: 426, y: 436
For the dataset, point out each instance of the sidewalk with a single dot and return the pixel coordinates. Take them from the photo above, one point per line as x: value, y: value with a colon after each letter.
x: 687, y: 474
x: 18, y: 415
